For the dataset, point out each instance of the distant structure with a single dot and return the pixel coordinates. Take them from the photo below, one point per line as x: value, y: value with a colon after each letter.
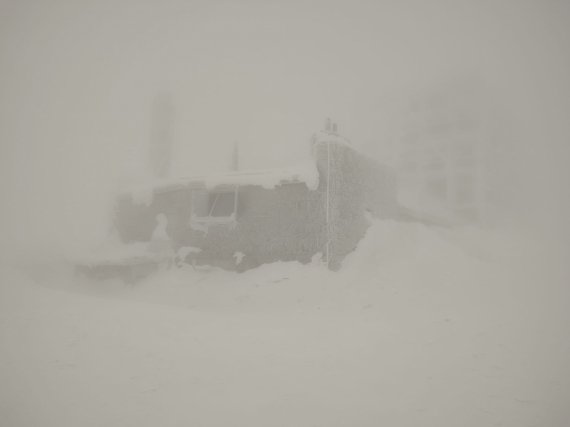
x: 449, y: 156
x: 161, y: 136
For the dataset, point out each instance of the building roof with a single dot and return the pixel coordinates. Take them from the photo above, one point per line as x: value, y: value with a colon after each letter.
x: 327, y: 137
x: 305, y: 173
x: 268, y: 179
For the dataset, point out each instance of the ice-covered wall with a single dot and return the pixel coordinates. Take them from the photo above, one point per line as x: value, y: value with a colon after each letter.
x: 357, y: 186
x: 283, y: 224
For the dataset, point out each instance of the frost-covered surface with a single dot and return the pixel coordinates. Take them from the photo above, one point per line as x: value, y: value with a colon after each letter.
x: 421, y: 327
x: 323, y: 136
x: 305, y: 172
x: 267, y: 179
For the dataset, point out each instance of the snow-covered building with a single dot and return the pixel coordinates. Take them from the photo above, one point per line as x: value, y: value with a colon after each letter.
x: 243, y: 219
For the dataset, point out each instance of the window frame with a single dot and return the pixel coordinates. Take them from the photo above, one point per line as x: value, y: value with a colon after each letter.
x: 201, y: 221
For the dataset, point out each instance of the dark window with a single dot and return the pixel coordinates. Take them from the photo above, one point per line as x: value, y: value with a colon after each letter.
x: 222, y: 204
x: 218, y: 204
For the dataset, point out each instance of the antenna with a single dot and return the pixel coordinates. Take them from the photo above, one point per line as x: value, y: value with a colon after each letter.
x: 235, y: 157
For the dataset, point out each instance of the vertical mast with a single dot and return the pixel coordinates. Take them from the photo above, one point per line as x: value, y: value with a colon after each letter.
x: 161, y: 135
x: 235, y: 157
x: 328, y: 202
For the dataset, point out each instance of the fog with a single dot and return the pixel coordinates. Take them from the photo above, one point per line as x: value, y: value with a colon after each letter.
x: 78, y: 81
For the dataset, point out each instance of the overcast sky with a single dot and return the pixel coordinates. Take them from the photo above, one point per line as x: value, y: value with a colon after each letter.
x: 77, y: 79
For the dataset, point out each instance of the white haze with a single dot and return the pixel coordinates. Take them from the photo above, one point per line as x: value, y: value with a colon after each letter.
x: 78, y: 80
x: 77, y: 83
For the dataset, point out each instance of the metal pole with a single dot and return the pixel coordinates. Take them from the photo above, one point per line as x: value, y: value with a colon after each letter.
x: 328, y: 202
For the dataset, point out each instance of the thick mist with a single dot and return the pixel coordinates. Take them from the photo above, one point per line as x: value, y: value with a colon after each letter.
x: 78, y: 81
x: 420, y: 321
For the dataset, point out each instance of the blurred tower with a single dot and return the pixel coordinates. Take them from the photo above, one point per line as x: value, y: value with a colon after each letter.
x: 161, y: 135
x: 235, y: 157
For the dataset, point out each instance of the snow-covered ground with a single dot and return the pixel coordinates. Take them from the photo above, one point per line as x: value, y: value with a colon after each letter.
x: 421, y: 327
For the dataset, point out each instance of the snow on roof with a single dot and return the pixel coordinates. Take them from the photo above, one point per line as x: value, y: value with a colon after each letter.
x: 305, y: 173
x: 268, y: 179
